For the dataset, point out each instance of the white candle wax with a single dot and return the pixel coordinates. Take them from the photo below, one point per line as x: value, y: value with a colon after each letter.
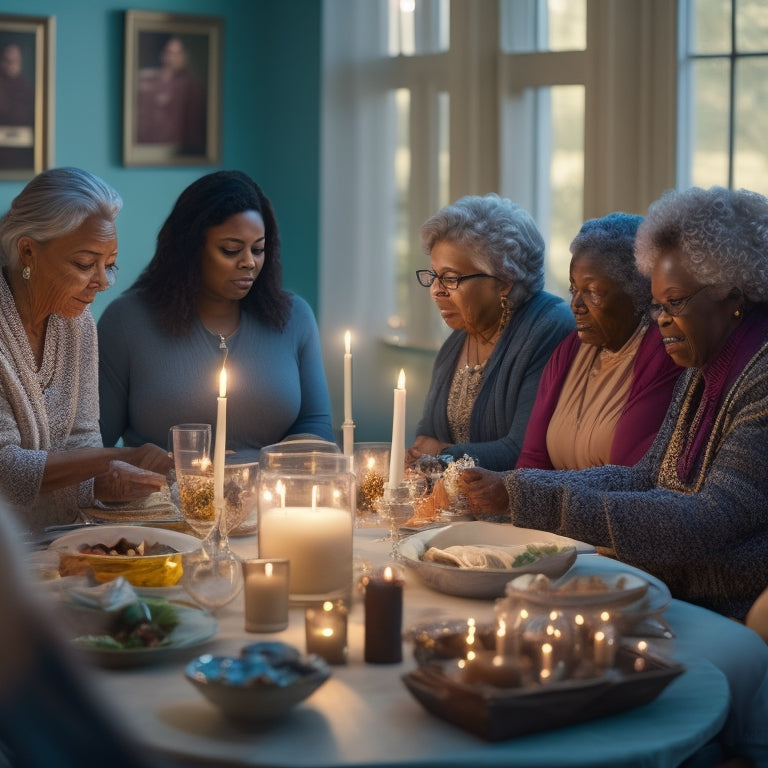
x: 397, y: 453
x: 266, y: 595
x: 221, y: 443
x: 318, y: 543
x: 348, y: 427
x: 347, y: 377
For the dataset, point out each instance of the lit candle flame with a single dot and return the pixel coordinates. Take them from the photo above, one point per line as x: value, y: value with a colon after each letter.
x: 348, y: 343
x: 401, y: 380
x: 223, y: 382
x: 268, y: 570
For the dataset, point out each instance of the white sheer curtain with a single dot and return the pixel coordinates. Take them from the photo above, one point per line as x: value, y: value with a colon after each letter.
x: 357, y: 214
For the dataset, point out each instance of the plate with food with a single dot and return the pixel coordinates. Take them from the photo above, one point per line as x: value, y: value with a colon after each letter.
x: 477, y: 559
x: 146, y: 631
x: 144, y: 556
x: 579, y: 590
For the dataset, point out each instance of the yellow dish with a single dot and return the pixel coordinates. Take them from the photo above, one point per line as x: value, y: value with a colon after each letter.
x: 139, y: 570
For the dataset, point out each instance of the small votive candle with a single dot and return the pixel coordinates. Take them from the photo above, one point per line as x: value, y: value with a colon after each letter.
x: 604, y: 646
x: 494, y: 669
x: 326, y: 631
x: 384, y: 617
x: 266, y: 595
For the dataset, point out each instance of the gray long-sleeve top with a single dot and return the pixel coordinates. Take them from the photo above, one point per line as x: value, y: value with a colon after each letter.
x: 150, y: 380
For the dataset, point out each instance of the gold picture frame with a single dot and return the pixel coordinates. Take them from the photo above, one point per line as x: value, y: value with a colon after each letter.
x: 172, y: 89
x: 26, y: 95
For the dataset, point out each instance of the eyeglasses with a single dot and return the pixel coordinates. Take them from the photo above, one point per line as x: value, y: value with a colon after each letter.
x: 450, y: 282
x: 674, y: 307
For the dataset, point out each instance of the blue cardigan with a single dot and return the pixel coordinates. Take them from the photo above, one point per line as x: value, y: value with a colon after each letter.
x: 500, y: 414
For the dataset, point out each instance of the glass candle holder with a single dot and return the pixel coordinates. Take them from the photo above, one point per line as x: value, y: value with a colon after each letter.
x: 240, y: 497
x: 266, y: 595
x: 371, y: 466
x: 306, y: 516
x: 326, y: 631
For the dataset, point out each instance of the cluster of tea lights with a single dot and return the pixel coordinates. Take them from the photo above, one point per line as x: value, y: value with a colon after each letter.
x: 541, y: 647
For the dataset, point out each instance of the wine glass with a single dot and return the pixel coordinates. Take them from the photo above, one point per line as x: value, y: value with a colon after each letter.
x: 212, y: 574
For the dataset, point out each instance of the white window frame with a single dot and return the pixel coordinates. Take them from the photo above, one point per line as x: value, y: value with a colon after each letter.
x: 629, y: 73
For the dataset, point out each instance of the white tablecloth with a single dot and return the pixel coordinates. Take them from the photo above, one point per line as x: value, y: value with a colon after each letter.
x: 364, y: 716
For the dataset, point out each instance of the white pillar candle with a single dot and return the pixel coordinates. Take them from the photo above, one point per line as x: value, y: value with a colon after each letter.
x: 318, y: 543
x: 219, y: 449
x: 397, y: 454
x: 266, y: 595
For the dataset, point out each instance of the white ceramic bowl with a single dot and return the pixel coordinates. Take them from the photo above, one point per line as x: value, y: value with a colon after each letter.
x: 140, y: 570
x: 484, y: 583
x: 258, y: 686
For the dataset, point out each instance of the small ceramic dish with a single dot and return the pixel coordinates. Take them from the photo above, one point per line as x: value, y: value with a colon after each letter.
x: 265, y: 682
x: 583, y: 591
x: 162, y: 570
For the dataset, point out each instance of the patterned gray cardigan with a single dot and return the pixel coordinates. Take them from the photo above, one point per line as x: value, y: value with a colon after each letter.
x: 709, y: 540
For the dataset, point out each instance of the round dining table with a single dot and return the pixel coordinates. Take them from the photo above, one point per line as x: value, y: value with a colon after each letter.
x: 364, y: 715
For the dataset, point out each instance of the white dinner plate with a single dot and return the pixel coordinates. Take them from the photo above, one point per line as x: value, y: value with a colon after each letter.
x: 482, y: 583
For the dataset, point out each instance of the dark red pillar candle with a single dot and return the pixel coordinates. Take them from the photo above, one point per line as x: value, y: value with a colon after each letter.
x: 384, y: 617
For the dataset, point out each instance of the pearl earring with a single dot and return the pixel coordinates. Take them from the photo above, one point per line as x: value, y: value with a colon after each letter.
x: 26, y: 272
x: 737, y: 313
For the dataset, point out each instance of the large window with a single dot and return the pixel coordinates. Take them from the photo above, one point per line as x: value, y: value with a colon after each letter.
x: 565, y: 106
x: 723, y: 122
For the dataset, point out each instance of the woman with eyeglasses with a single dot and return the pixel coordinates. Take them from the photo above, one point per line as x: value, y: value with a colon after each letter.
x: 58, y: 249
x: 606, y: 388
x: 692, y: 510
x: 487, y: 279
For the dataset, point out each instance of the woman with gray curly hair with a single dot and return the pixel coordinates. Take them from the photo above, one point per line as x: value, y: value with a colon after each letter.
x: 58, y: 249
x: 692, y: 510
x: 605, y: 390
x: 487, y: 276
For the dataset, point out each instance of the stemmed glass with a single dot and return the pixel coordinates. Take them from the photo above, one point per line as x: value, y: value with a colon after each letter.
x: 212, y: 574
x: 396, y: 506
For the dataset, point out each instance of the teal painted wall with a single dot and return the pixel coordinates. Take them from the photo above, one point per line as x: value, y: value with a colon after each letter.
x: 270, y: 120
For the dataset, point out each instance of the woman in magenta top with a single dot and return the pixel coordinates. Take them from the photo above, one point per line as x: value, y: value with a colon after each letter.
x: 607, y: 386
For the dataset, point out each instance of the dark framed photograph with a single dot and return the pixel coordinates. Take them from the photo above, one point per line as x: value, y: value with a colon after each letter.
x: 26, y: 95
x: 172, y: 90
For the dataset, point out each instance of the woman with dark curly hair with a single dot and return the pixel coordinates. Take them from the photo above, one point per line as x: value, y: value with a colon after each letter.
x: 486, y: 279
x: 213, y: 291
x: 606, y: 388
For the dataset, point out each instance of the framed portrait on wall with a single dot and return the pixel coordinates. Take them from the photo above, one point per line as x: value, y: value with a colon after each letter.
x: 26, y: 95
x: 172, y: 89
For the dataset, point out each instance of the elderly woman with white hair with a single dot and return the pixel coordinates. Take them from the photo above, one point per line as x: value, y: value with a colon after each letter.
x: 487, y: 276
x: 58, y: 249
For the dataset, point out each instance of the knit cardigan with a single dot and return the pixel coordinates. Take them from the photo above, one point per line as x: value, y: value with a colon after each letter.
x: 51, y: 408
x: 707, y: 541
x: 503, y: 405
